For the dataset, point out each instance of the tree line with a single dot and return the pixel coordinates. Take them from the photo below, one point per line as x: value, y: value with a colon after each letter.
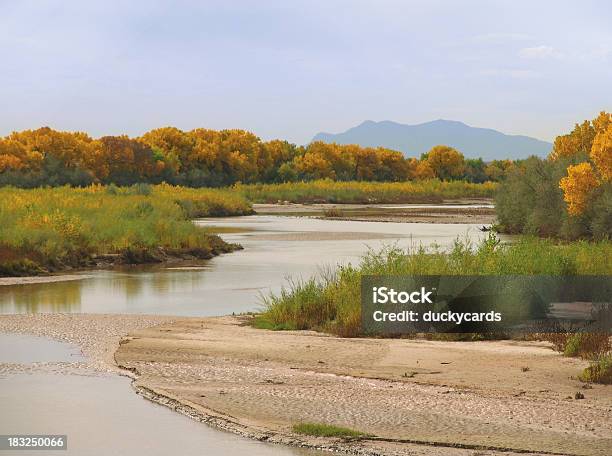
x: 210, y: 158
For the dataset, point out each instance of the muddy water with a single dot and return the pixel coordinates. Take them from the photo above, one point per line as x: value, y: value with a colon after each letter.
x: 275, y: 247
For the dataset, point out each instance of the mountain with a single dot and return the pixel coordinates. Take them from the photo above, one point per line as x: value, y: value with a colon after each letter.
x: 413, y: 140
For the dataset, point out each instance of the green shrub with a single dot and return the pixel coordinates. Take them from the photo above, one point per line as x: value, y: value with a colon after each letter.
x: 529, y: 201
x: 599, y: 371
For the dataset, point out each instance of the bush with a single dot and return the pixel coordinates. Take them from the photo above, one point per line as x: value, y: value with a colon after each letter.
x: 598, y: 372
x: 587, y: 345
x: 529, y: 201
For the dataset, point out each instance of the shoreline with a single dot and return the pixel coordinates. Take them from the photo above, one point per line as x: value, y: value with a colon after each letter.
x: 27, y: 280
x: 106, y: 262
x: 480, y: 211
x: 252, y: 382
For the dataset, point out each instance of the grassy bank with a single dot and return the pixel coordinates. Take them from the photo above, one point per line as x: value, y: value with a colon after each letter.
x: 331, y: 303
x: 327, y: 191
x: 50, y: 229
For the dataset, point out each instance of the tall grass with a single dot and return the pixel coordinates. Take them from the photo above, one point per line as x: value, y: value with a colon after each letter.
x: 331, y: 302
x: 328, y: 191
x: 49, y: 229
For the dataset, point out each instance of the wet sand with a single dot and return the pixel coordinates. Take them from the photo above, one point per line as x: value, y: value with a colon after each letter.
x: 97, y: 336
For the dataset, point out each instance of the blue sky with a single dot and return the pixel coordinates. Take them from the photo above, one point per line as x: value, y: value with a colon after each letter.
x: 289, y: 69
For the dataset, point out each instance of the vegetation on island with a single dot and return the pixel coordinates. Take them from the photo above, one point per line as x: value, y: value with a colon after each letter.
x: 331, y: 302
x: 328, y: 191
x: 50, y: 229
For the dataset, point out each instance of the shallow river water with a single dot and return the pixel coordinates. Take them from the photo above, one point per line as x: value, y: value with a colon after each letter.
x: 100, y: 413
x: 275, y: 248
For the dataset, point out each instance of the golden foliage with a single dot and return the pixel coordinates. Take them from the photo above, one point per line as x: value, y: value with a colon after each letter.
x: 209, y: 158
x: 580, y: 140
x: 601, y: 153
x: 446, y: 162
x: 578, y: 186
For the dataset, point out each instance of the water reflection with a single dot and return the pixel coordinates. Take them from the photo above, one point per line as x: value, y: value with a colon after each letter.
x: 276, y: 247
x: 41, y: 297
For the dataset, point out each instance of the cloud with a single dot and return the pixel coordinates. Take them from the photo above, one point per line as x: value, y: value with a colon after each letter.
x: 539, y: 52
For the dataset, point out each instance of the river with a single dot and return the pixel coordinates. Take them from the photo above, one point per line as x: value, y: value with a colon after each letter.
x: 275, y: 248
x: 98, y: 412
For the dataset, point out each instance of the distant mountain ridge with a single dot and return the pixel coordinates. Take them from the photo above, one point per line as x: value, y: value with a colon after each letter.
x: 413, y: 140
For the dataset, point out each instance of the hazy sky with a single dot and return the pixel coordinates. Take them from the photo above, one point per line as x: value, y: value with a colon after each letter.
x: 290, y: 68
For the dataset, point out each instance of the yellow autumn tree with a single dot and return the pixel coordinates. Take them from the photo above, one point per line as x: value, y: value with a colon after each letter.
x: 601, y: 153
x: 446, y: 162
x: 423, y: 170
x: 580, y: 139
x: 578, y: 187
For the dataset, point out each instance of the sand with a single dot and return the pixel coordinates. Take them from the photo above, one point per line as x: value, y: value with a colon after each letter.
x: 417, y: 397
x: 389, y: 212
x: 447, y: 394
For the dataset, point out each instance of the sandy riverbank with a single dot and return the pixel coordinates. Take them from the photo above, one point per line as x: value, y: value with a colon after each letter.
x: 443, y: 394
x: 469, y: 211
x: 417, y: 397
